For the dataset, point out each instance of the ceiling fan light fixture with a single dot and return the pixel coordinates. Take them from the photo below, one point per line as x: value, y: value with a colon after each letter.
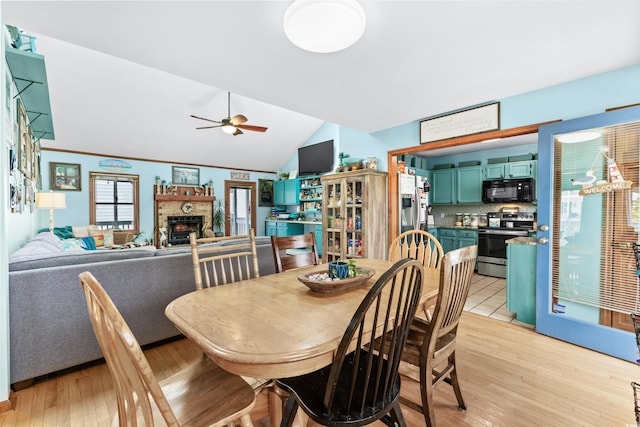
x: 230, y: 129
x: 324, y: 26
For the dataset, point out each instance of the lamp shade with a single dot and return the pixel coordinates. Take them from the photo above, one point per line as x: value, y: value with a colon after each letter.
x: 324, y: 26
x: 50, y: 200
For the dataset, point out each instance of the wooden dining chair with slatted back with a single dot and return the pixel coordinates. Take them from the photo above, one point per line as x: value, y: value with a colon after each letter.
x: 202, y: 394
x: 429, y: 354
x: 294, y: 251
x: 216, y: 264
x: 421, y: 246
x: 362, y: 385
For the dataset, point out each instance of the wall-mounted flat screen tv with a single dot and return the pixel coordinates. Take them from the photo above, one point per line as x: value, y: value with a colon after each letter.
x: 316, y: 158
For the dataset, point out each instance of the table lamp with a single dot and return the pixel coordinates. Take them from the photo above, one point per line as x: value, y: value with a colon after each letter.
x: 50, y: 200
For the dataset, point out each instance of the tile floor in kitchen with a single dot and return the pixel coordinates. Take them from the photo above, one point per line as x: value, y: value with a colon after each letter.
x: 488, y: 297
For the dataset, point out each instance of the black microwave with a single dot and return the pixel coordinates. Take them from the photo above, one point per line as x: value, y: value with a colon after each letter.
x: 509, y: 190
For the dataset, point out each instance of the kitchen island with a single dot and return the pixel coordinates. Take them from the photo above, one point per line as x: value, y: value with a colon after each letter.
x: 521, y: 278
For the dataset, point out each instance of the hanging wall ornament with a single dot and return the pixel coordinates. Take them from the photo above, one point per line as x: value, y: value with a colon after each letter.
x: 616, y: 181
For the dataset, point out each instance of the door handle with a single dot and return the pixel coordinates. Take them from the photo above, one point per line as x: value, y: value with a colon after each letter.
x: 543, y: 240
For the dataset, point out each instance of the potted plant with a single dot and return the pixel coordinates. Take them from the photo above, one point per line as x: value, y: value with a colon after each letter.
x: 218, y: 218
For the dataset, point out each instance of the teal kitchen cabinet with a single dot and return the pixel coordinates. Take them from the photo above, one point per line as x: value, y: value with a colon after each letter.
x: 270, y: 228
x: 469, y: 184
x: 521, y: 281
x: 319, y: 239
x: 524, y: 169
x: 292, y: 192
x: 495, y: 171
x: 447, y: 238
x: 456, y: 238
x: 443, y: 189
x: 278, y: 193
x: 466, y: 238
x: 286, y: 192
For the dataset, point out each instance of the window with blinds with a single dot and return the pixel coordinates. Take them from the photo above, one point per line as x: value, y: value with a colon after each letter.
x: 114, y: 201
x: 596, y: 215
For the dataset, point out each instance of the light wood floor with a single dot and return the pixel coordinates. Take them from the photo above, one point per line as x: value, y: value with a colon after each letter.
x: 510, y: 376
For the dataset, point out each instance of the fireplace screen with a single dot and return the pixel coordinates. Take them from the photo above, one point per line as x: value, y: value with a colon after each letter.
x: 179, y: 228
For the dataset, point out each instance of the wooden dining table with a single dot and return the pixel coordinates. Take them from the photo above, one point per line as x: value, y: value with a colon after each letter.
x: 275, y: 326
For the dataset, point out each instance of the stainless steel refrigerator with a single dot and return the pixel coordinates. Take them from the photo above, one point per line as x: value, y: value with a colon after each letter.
x: 413, y: 201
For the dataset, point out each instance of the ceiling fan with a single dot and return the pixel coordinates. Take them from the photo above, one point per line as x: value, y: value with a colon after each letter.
x: 231, y: 125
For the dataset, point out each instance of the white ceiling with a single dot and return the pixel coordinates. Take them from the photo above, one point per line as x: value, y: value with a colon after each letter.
x: 125, y: 76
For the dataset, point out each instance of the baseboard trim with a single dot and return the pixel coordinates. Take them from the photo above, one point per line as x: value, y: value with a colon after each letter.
x: 7, y: 405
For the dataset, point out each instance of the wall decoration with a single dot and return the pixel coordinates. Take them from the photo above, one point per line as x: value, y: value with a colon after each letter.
x: 244, y: 176
x: 181, y: 175
x: 115, y: 165
x: 468, y: 122
x: 12, y: 162
x: 24, y: 142
x: 37, y: 166
x: 65, y: 176
x: 265, y: 196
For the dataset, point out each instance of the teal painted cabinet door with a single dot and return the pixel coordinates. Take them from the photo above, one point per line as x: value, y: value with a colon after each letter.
x: 278, y: 193
x: 291, y: 192
x: 443, y: 187
x: 496, y: 171
x: 469, y: 184
x: 527, y: 169
x: 521, y: 282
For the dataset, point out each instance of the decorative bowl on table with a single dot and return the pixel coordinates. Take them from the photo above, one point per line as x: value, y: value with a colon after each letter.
x: 319, y: 281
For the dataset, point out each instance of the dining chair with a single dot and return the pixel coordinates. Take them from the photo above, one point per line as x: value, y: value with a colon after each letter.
x: 422, y: 246
x: 362, y: 384
x: 202, y: 394
x: 215, y: 264
x: 294, y: 251
x: 431, y: 345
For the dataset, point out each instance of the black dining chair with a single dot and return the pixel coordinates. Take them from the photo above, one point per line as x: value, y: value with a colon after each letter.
x: 362, y: 385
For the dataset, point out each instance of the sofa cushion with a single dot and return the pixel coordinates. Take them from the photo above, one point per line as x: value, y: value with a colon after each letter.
x: 43, y: 245
x: 73, y: 258
x: 62, y: 232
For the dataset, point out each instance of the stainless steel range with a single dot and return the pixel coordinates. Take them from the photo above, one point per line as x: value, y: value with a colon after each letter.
x: 492, y: 249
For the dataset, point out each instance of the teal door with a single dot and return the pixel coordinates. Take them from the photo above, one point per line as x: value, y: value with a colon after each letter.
x: 588, y: 219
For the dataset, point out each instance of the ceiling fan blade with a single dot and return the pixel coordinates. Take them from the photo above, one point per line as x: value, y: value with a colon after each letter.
x: 202, y: 118
x: 237, y: 132
x: 238, y: 119
x: 209, y: 127
x: 252, y: 127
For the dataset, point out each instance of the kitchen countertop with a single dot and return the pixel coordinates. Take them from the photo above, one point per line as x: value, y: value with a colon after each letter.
x: 522, y: 241
x: 295, y: 221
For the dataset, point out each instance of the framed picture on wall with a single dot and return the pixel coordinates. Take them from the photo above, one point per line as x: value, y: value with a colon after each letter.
x: 182, y: 175
x: 24, y: 142
x: 265, y: 192
x: 65, y: 176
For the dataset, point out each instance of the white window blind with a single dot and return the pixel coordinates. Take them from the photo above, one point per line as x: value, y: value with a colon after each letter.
x: 115, y: 200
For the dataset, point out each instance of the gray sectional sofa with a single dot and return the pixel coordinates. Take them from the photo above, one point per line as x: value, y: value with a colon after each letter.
x: 49, y: 326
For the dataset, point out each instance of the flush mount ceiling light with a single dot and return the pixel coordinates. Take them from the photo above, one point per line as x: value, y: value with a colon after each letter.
x: 324, y: 26
x: 575, y: 137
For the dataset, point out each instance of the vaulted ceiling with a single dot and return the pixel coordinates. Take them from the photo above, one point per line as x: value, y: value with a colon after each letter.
x: 125, y: 76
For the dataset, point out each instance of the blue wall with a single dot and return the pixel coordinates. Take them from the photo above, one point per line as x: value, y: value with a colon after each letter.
x: 77, y: 212
x: 569, y: 100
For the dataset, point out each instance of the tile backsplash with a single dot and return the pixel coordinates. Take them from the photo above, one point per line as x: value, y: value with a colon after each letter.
x: 450, y: 211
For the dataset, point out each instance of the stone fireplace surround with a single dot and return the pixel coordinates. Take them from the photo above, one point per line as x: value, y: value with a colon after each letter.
x: 166, y: 205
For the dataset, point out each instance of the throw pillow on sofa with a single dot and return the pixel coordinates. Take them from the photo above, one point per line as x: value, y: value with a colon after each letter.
x: 62, y: 232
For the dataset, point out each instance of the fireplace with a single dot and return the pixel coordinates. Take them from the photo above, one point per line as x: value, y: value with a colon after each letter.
x: 179, y: 228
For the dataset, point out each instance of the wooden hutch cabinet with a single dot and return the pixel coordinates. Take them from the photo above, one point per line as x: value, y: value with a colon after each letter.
x: 354, y: 215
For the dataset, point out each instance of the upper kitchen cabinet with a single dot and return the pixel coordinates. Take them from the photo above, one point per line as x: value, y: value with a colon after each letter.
x: 469, y: 184
x: 286, y: 192
x: 30, y: 77
x: 443, y: 187
x: 519, y: 169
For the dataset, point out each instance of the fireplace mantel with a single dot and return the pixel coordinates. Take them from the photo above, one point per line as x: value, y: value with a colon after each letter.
x: 166, y: 205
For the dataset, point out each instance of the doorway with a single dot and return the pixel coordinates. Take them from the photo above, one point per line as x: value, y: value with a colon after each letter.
x: 588, y: 221
x: 240, y: 206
